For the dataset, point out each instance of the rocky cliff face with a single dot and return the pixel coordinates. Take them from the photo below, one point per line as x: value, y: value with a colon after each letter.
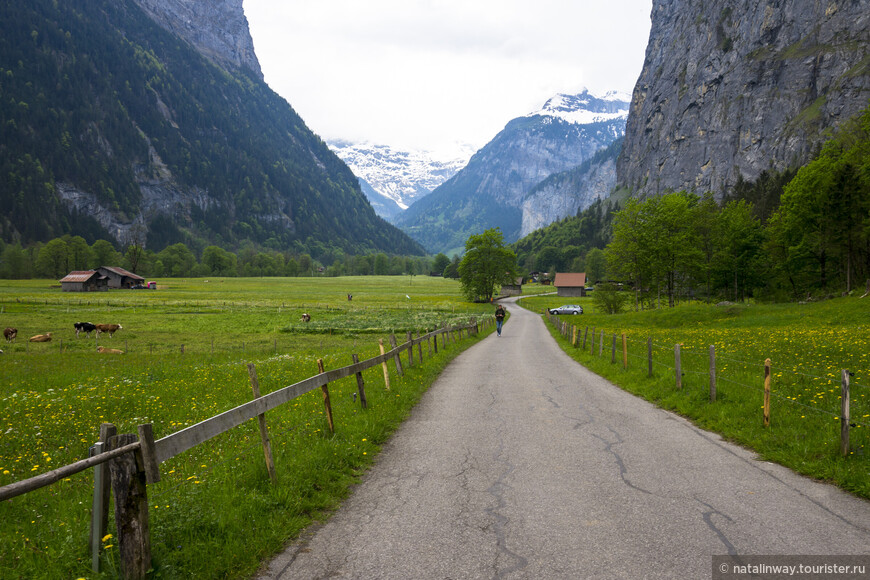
x: 735, y: 87
x: 216, y: 28
x: 564, y: 194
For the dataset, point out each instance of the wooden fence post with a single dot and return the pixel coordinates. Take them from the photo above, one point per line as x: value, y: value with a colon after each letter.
x: 624, y: 352
x: 767, y: 393
x: 100, y: 505
x: 649, y: 356
x: 585, y: 332
x: 712, y: 373
x: 410, y: 339
x: 435, y: 339
x: 678, y: 371
x: 844, y: 414
x: 326, y: 402
x: 394, y: 344
x: 592, y: 343
x: 574, y: 338
x: 601, y: 344
x: 420, y: 347
x: 613, y: 351
x: 360, y: 385
x: 264, y: 431
x: 384, y: 364
x: 131, y: 510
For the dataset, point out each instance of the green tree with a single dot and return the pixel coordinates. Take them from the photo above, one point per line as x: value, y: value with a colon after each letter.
x: 439, y: 263
x: 452, y: 269
x: 608, y: 299
x: 178, y: 261
x: 596, y: 265
x: 103, y: 253
x: 487, y: 263
x: 15, y: 263
x: 78, y: 253
x: 53, y: 260
x: 218, y: 262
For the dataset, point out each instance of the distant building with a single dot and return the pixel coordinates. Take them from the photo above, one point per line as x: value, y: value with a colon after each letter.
x: 119, y: 277
x: 570, y: 284
x: 84, y: 281
x: 514, y: 289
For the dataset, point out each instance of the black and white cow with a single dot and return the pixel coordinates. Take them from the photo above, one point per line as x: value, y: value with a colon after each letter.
x: 85, y: 327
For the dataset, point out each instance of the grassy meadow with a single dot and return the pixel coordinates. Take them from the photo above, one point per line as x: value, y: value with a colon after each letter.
x: 808, y: 345
x: 214, y: 514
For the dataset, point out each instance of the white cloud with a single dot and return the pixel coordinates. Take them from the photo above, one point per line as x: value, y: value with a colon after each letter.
x: 429, y: 73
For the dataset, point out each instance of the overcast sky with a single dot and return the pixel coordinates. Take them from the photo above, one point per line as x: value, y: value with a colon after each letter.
x: 426, y: 74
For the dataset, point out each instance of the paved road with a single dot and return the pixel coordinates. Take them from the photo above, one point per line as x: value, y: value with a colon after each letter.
x: 519, y: 463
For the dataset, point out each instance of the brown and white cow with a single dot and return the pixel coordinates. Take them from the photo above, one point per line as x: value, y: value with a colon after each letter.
x: 10, y: 333
x: 306, y: 317
x: 41, y: 337
x: 110, y: 328
x: 104, y: 350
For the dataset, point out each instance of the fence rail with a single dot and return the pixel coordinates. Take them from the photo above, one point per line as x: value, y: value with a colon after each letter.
x: 150, y: 453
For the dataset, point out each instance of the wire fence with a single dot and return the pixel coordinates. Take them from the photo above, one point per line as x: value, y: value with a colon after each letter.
x: 821, y: 394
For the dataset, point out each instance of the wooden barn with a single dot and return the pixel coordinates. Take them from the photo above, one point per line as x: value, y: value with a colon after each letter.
x: 84, y: 281
x: 515, y: 289
x: 570, y: 284
x: 119, y: 277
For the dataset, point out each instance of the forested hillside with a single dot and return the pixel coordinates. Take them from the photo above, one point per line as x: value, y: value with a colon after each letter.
x: 113, y: 128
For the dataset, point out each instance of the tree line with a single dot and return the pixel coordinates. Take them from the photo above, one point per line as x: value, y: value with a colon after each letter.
x: 815, y: 242
x: 56, y: 258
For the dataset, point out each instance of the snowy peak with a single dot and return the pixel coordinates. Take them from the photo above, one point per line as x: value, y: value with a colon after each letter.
x: 585, y: 108
x: 403, y: 176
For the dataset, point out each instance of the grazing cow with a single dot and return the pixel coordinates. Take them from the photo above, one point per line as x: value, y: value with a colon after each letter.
x: 110, y: 328
x: 85, y: 327
x: 41, y: 337
x: 306, y: 317
x: 104, y: 350
x: 10, y: 333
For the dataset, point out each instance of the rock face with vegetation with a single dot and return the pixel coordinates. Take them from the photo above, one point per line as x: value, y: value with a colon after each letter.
x: 217, y: 28
x: 737, y: 87
x: 113, y: 127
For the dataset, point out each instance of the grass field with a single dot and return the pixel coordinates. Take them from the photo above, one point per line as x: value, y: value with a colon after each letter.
x: 808, y: 345
x: 214, y: 514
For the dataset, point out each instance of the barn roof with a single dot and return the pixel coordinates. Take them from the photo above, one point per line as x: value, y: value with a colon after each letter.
x: 122, y: 272
x: 79, y: 276
x: 570, y: 280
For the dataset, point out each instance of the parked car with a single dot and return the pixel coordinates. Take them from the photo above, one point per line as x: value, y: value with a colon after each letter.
x: 567, y: 309
x: 137, y: 287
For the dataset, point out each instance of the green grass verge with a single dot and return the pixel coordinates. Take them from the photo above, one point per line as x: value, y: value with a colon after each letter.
x: 214, y: 514
x: 808, y: 346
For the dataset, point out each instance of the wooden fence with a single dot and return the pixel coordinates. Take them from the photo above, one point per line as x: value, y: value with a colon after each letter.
x: 573, y: 334
x: 127, y: 462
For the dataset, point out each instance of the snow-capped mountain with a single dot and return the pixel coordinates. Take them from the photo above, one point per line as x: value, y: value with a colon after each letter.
x: 400, y: 176
x: 491, y: 191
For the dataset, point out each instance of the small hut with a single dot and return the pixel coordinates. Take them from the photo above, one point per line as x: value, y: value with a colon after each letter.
x: 515, y: 289
x: 119, y: 277
x: 84, y: 281
x: 570, y: 284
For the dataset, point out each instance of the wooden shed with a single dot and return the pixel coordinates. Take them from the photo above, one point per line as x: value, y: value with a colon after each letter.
x: 570, y: 284
x: 119, y: 277
x: 515, y: 289
x: 84, y: 281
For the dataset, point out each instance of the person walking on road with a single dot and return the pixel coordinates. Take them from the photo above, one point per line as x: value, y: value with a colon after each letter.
x: 499, y: 317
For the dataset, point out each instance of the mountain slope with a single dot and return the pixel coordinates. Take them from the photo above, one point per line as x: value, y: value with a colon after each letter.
x: 735, y: 88
x: 564, y: 194
x: 490, y: 190
x: 401, y: 176
x: 112, y: 127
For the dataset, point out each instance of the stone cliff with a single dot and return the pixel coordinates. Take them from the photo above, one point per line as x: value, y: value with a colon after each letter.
x: 736, y: 87
x: 216, y: 28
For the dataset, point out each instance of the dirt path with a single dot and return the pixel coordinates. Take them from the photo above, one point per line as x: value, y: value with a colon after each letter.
x: 520, y: 463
